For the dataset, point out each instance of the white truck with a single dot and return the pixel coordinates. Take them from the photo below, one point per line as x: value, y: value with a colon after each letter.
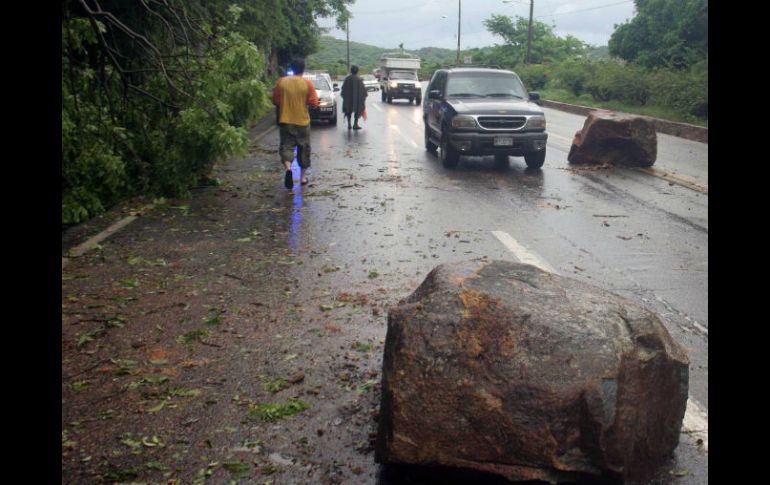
x: 398, y: 78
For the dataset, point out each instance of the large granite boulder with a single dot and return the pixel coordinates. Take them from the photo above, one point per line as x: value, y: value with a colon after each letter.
x: 615, y: 138
x: 504, y: 368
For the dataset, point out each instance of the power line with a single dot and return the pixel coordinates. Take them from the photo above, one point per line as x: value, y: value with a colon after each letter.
x: 385, y: 11
x: 585, y: 9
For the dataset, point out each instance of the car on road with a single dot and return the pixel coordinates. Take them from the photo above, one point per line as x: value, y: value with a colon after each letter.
x: 370, y: 82
x: 327, y: 101
x: 324, y: 74
x: 481, y: 111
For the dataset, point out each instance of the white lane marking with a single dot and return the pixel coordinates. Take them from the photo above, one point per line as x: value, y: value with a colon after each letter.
x: 554, y: 135
x: 522, y: 253
x: 377, y: 107
x: 695, y: 422
x: 403, y: 136
x: 701, y: 328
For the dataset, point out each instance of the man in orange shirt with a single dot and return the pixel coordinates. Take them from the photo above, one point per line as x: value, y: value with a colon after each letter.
x: 292, y: 94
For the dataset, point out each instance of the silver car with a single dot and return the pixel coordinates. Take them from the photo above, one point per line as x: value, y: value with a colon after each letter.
x: 327, y: 101
x: 370, y: 82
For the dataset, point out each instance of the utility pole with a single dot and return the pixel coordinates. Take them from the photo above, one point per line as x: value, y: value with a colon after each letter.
x: 347, y: 31
x: 459, y: 12
x: 529, y: 34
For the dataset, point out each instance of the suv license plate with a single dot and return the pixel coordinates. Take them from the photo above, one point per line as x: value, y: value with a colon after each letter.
x: 503, y: 141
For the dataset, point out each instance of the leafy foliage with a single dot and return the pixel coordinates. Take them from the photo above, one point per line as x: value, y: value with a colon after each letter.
x: 613, y: 80
x: 664, y: 33
x: 687, y: 92
x: 534, y: 76
x: 154, y: 92
x: 545, y: 47
x: 574, y: 75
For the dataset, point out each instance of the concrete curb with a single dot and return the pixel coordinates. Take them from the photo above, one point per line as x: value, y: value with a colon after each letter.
x: 257, y: 132
x: 682, y: 130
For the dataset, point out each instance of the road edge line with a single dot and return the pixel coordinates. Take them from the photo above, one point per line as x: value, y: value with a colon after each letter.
x: 675, y: 178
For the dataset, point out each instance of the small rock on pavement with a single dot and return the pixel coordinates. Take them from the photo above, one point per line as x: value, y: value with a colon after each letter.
x: 279, y: 459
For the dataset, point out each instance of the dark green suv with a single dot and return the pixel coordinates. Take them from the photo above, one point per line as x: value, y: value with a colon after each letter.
x: 483, y: 111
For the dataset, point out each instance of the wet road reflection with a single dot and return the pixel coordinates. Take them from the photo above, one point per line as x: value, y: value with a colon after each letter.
x: 387, y: 205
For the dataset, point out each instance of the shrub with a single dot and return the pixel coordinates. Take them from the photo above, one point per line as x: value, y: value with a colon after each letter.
x: 615, y: 81
x: 160, y: 142
x: 683, y: 91
x: 534, y: 76
x: 574, y: 75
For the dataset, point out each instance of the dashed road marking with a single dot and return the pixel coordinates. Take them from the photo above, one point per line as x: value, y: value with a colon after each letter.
x: 522, y: 253
x: 403, y: 136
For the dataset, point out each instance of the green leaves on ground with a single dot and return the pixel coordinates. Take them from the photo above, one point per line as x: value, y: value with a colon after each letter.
x: 274, y: 412
x: 139, y: 260
x: 237, y: 468
x: 276, y: 385
x: 362, y: 347
x: 215, y: 319
x: 327, y: 307
x: 193, y: 335
x: 321, y: 193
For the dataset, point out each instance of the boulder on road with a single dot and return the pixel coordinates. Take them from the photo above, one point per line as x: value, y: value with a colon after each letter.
x: 503, y: 368
x: 615, y: 138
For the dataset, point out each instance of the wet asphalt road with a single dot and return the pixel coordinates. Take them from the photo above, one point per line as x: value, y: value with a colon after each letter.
x: 377, y: 199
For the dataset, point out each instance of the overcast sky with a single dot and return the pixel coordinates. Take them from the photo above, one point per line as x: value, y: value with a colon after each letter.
x: 433, y: 23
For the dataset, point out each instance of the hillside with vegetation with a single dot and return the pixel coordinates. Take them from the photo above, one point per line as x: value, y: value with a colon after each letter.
x: 655, y: 64
x: 332, y: 55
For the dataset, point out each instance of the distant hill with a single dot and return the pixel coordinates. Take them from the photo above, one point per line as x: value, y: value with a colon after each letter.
x: 332, y: 56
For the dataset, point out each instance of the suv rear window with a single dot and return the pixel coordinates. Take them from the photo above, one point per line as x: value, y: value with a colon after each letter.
x: 483, y: 84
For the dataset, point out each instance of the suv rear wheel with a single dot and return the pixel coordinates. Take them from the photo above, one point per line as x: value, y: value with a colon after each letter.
x: 449, y: 156
x: 535, y: 159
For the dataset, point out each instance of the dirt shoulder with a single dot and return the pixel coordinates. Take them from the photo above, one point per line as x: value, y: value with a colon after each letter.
x: 195, y: 351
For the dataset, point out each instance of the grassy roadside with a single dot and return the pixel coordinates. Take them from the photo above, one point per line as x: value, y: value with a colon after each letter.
x: 564, y: 96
